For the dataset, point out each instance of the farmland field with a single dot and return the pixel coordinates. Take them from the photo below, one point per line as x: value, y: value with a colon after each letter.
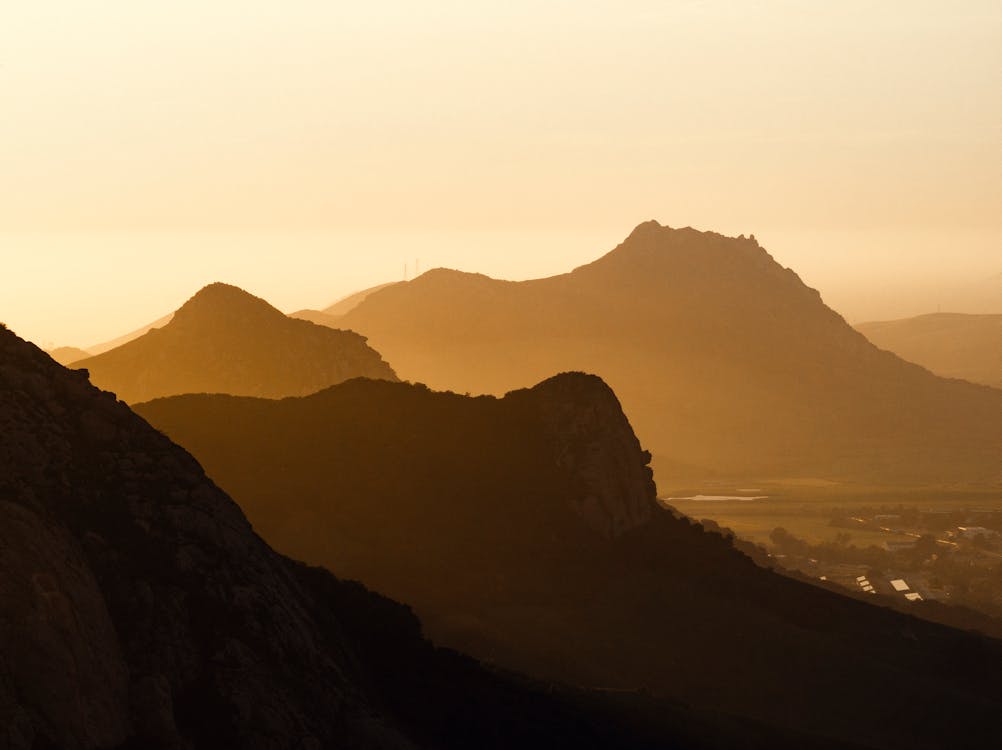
x: 806, y: 511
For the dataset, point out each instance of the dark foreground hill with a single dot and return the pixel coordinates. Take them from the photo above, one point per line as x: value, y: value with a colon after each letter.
x: 139, y: 610
x: 224, y: 340
x: 950, y: 344
x: 726, y: 363
x: 525, y: 530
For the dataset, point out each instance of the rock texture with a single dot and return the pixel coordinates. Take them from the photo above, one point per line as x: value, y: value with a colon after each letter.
x: 593, y: 444
x: 224, y: 340
x: 525, y: 530
x: 139, y: 610
x: 726, y: 363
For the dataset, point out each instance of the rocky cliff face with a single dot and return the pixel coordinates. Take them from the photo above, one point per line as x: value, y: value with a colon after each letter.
x: 593, y: 443
x: 224, y: 340
x: 137, y: 600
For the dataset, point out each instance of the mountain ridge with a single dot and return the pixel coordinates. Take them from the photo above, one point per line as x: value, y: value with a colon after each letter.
x: 140, y: 610
x: 526, y: 530
x: 224, y: 339
x: 952, y: 345
x: 708, y: 334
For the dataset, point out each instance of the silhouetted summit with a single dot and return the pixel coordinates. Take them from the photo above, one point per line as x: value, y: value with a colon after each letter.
x: 220, y: 302
x: 225, y: 340
x: 726, y: 362
x: 525, y: 530
x: 140, y: 610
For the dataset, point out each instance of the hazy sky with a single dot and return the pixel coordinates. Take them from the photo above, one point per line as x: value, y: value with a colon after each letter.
x: 304, y: 148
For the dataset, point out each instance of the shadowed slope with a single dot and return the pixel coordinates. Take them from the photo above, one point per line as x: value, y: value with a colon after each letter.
x: 725, y: 362
x: 139, y: 610
x: 224, y: 340
x: 525, y: 530
x: 949, y: 344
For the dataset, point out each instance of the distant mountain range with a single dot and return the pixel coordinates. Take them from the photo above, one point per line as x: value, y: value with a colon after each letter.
x: 224, y: 340
x: 331, y: 315
x: 726, y: 363
x: 64, y: 355
x: 950, y: 344
x: 107, y: 346
x: 350, y: 302
x: 526, y: 531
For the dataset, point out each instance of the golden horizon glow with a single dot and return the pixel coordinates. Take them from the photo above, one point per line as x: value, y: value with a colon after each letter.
x: 305, y: 150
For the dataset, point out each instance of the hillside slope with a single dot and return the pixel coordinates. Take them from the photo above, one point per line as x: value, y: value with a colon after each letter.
x: 525, y: 531
x: 953, y: 345
x: 139, y: 610
x: 64, y: 355
x: 726, y: 363
x: 224, y: 340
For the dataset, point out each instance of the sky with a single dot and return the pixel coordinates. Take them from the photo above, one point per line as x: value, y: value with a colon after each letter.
x: 307, y: 148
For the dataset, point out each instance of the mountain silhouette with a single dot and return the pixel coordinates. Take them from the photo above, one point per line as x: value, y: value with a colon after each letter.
x: 726, y: 363
x: 140, y: 610
x: 228, y: 341
x: 351, y: 301
x: 107, y: 346
x: 64, y: 355
x: 331, y: 315
x: 526, y: 531
x: 953, y: 345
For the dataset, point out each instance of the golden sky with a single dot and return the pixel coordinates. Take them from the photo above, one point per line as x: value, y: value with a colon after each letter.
x: 304, y: 148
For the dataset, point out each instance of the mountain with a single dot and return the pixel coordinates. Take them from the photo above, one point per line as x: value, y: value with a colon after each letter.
x: 314, y: 316
x: 66, y: 354
x: 107, y: 346
x: 331, y: 316
x: 138, y: 609
x: 953, y: 345
x: 226, y: 340
x: 525, y: 530
x: 726, y: 363
x: 350, y: 302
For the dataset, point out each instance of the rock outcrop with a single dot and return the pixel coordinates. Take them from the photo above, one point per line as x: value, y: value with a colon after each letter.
x: 595, y: 447
x: 224, y: 340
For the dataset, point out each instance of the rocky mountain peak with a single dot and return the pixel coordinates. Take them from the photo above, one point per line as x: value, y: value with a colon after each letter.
x: 594, y: 443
